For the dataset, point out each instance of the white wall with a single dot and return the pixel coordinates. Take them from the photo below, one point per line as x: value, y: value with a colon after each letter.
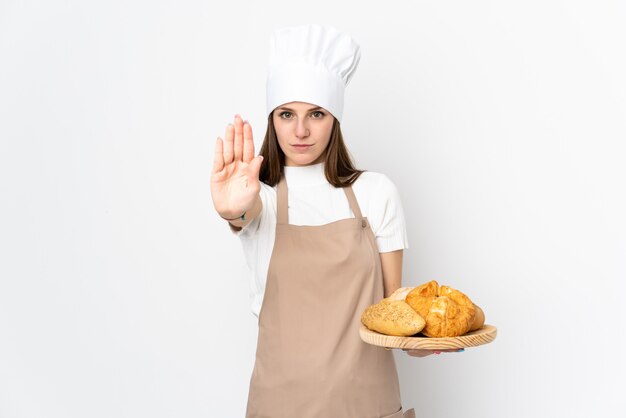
x: 502, y: 123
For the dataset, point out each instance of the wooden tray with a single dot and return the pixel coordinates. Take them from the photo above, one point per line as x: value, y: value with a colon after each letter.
x: 481, y: 336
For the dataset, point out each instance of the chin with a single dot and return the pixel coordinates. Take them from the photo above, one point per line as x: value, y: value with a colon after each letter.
x: 302, y: 160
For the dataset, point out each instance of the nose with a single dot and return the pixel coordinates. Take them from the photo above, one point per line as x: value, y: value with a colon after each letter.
x: 302, y: 130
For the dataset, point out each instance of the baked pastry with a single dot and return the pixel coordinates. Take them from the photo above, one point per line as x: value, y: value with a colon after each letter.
x: 392, y: 317
x: 479, y: 319
x: 447, y: 311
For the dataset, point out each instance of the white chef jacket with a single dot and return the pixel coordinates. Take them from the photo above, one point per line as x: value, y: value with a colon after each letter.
x: 314, y: 201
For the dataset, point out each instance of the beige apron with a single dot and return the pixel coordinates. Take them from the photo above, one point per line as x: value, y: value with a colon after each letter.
x: 310, y: 361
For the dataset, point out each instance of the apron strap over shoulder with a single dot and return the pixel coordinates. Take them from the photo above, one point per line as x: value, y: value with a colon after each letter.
x: 281, y: 201
x: 354, y: 205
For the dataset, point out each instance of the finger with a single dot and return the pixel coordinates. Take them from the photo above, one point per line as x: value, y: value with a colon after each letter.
x: 228, y: 144
x: 238, y: 147
x: 248, y: 143
x: 254, y: 168
x: 218, y: 157
x: 418, y: 353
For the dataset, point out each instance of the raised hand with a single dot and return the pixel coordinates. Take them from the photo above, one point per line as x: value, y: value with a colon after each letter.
x: 235, y: 181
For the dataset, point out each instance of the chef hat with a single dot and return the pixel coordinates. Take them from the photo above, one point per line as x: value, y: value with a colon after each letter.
x: 313, y: 64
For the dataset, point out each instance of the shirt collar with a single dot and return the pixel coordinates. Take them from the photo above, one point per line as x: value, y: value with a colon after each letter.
x: 308, y: 175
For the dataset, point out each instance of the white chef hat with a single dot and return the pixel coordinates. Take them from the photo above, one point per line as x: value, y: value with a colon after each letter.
x: 310, y: 63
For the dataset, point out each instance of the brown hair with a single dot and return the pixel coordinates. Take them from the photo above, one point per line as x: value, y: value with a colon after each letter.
x: 338, y: 166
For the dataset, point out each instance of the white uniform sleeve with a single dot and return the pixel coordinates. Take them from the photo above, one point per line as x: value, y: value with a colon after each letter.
x: 387, y: 213
x: 247, y: 229
x: 257, y: 240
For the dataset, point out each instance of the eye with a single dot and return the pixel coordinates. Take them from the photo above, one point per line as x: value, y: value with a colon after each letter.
x: 285, y: 115
x: 318, y: 114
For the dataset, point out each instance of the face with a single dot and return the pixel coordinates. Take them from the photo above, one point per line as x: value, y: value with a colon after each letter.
x: 303, y: 132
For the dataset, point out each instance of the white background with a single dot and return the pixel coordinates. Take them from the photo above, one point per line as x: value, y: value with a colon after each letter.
x: 502, y: 124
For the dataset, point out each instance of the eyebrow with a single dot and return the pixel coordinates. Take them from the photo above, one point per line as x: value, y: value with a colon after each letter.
x: 291, y: 110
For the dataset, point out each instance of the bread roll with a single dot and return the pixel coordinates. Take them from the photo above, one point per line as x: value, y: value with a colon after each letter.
x: 400, y: 294
x: 447, y: 311
x: 392, y: 317
x: 479, y: 319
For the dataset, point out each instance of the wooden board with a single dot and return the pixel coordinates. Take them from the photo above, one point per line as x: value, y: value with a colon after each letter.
x: 484, y: 335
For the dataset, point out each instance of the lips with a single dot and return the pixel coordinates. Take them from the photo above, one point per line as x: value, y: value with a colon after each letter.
x: 301, y: 148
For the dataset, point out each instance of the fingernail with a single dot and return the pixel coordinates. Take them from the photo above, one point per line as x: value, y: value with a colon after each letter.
x: 437, y: 352
x: 460, y: 350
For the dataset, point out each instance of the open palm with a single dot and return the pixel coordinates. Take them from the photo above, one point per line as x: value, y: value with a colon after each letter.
x: 235, y: 181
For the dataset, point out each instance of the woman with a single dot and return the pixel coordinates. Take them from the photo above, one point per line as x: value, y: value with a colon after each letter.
x: 310, y: 239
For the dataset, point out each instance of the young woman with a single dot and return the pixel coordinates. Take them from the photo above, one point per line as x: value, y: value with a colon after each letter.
x: 323, y: 240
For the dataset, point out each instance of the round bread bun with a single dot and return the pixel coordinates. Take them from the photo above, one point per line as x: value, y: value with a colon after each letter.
x: 479, y: 319
x: 447, y: 311
x: 392, y: 317
x: 400, y: 294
